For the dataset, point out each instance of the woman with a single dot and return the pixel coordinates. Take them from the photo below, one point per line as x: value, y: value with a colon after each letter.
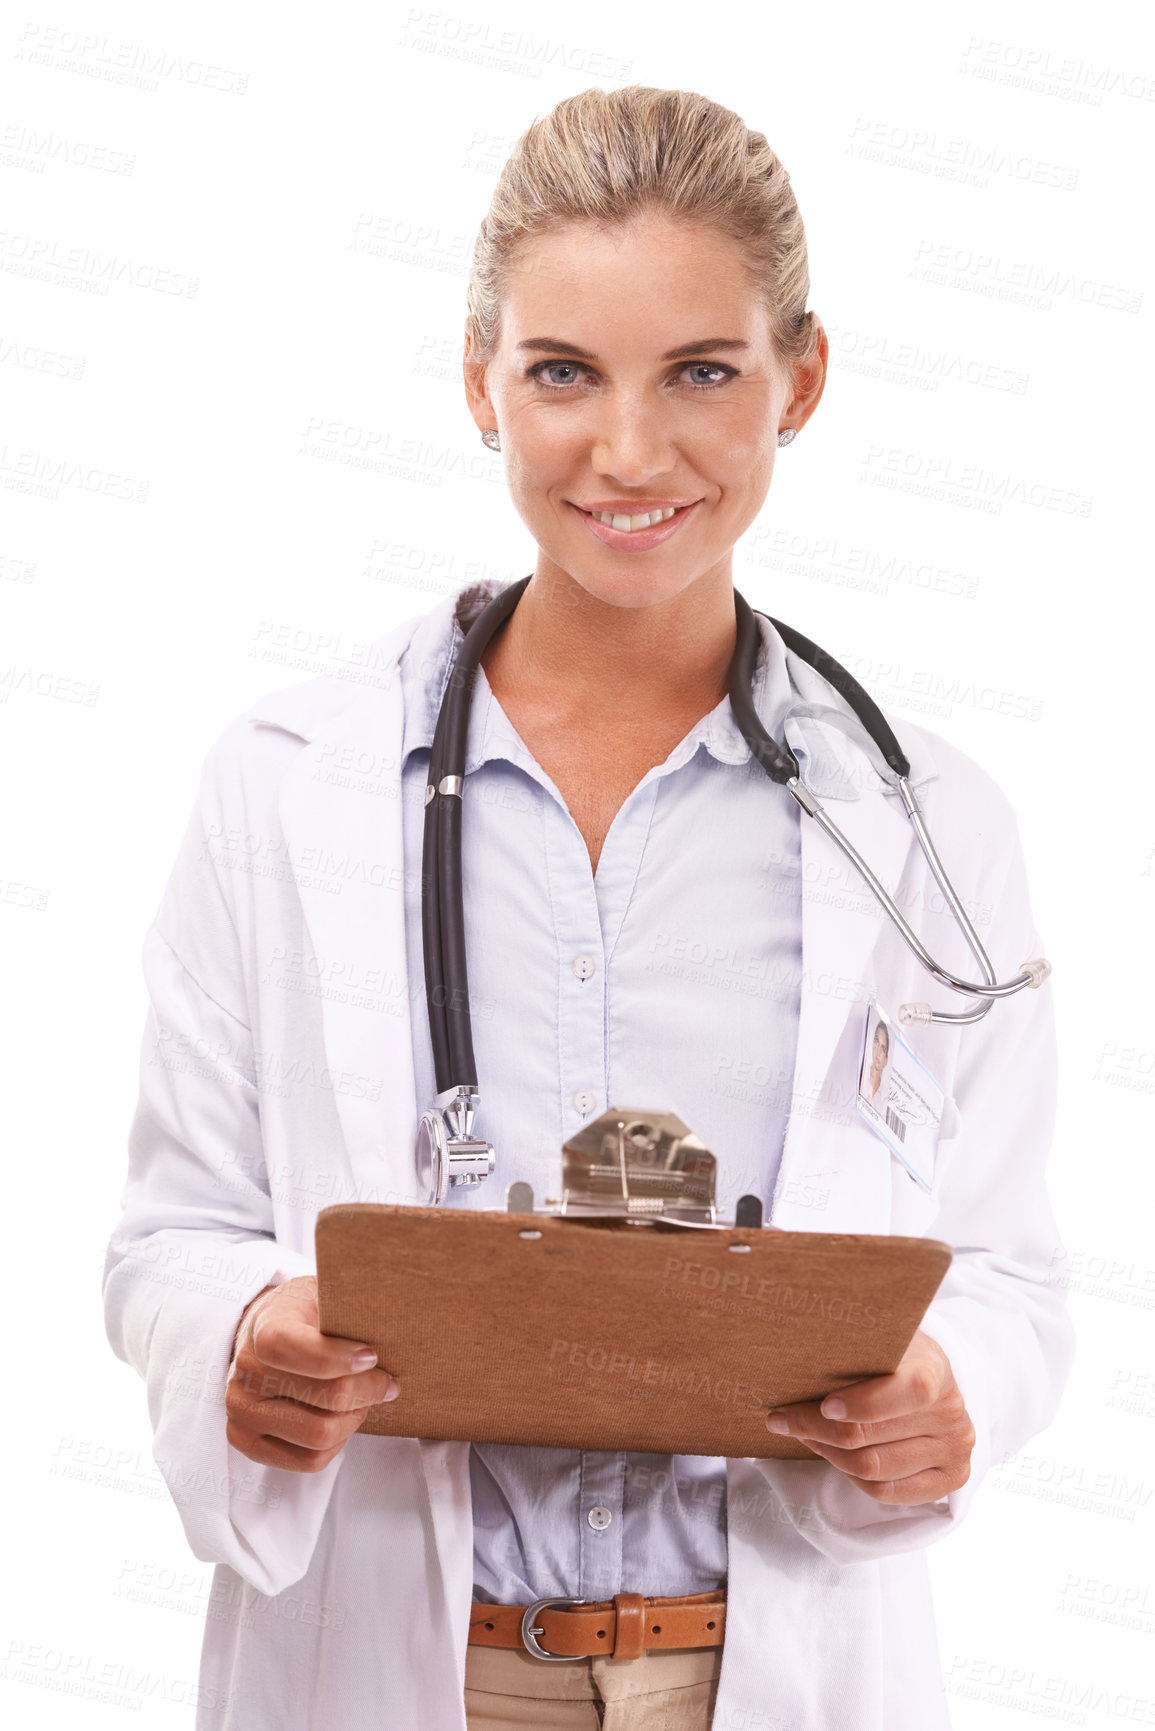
x: 640, y: 928
x: 879, y: 1057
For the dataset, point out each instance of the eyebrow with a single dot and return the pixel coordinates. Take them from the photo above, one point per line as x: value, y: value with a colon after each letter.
x: 552, y: 345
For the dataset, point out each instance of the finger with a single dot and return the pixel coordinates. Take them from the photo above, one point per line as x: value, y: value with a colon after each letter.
x: 923, y: 1375
x: 339, y: 1394
x: 905, y: 1391
x: 285, y: 1336
x: 270, y: 1451
x: 306, y: 1426
x: 924, y: 1487
x: 887, y: 1462
x: 805, y: 1421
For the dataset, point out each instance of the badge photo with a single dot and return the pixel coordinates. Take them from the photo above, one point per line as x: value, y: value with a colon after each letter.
x: 898, y: 1096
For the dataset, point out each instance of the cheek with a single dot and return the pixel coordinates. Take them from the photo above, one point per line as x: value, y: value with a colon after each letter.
x: 745, y: 474
x: 539, y: 452
x: 743, y: 433
x: 743, y: 456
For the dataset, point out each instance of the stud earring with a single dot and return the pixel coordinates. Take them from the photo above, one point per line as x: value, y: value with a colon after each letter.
x: 786, y: 435
x: 489, y: 437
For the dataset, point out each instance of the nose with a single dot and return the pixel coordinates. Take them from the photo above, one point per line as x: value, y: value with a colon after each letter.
x: 631, y: 440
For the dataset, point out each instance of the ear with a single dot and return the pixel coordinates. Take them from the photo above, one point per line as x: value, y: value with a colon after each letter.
x: 476, y: 396
x: 809, y: 380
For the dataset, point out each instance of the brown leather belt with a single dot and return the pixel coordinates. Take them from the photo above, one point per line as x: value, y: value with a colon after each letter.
x: 623, y: 1627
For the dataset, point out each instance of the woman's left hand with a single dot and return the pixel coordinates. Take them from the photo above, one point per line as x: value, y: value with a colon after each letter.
x: 902, y: 1438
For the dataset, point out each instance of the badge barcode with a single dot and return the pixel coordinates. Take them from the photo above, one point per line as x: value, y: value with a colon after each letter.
x: 896, y: 1124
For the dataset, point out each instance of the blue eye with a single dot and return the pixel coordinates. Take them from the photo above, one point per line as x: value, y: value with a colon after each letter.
x: 543, y: 366
x: 710, y: 367
x: 539, y: 370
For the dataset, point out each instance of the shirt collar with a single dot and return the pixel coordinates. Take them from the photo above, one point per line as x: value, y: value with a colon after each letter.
x: 426, y: 662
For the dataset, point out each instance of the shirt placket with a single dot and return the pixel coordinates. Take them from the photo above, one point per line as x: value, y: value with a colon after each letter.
x: 586, y: 918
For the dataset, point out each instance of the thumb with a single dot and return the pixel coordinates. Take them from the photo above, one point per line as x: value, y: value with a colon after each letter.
x: 285, y: 1335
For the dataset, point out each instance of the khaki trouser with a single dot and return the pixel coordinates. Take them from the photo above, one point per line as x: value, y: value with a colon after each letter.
x: 661, y: 1691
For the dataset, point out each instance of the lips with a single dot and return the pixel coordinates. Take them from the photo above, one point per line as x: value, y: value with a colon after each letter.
x: 637, y: 540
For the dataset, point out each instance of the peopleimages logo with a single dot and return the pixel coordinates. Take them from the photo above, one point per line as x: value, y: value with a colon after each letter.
x: 793, y: 1300
x: 1063, y: 75
x: 579, y: 1362
x: 962, y: 159
x: 942, y: 477
x: 1023, y: 281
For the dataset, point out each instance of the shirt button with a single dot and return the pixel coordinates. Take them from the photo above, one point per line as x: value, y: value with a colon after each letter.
x: 600, y: 1518
x: 585, y: 967
x: 584, y: 1101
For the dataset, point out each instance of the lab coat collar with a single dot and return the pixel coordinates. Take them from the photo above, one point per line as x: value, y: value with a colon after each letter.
x: 837, y: 758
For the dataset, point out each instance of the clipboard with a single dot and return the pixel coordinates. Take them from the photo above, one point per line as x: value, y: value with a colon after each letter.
x: 557, y: 1332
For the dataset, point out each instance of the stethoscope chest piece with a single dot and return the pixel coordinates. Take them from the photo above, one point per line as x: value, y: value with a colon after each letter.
x: 448, y: 1153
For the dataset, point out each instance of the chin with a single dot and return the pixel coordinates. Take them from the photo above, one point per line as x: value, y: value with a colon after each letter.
x: 632, y: 589
x: 627, y: 582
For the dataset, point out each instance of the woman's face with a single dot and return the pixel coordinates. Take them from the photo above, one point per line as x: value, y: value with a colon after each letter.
x: 636, y: 372
x: 881, y: 1047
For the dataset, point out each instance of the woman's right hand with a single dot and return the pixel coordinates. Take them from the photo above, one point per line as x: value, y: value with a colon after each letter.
x: 294, y: 1395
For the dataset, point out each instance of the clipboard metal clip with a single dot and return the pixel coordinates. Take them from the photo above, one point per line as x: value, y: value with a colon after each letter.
x: 645, y: 1167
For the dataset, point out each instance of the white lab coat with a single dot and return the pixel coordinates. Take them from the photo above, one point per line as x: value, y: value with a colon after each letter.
x: 277, y: 1078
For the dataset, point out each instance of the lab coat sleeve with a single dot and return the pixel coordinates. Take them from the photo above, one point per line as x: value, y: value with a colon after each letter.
x: 195, y: 1242
x: 999, y: 1315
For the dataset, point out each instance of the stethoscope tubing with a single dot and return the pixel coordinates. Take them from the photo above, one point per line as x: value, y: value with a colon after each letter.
x: 442, y: 896
x: 442, y: 891
x: 782, y: 766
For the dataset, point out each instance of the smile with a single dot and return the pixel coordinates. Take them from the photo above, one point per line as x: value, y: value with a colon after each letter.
x: 637, y: 530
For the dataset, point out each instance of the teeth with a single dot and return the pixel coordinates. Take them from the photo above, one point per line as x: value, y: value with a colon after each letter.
x: 620, y: 521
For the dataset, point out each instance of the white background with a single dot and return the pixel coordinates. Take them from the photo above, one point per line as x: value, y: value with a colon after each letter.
x: 231, y: 417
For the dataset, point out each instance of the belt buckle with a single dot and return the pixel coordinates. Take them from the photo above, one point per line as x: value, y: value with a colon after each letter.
x: 529, y: 1633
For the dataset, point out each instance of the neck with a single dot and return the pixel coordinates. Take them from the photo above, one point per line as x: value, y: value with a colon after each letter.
x: 564, y: 648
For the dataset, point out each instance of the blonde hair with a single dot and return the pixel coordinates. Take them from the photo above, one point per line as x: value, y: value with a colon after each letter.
x: 609, y: 155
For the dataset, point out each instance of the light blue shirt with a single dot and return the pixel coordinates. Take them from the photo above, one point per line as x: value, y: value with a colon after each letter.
x: 667, y: 981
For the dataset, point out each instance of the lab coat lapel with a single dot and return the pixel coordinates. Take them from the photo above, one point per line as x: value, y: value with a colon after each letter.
x: 835, y: 1174
x: 346, y: 845
x: 343, y: 833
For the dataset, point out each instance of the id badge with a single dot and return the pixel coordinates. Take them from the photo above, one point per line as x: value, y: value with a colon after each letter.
x: 898, y: 1096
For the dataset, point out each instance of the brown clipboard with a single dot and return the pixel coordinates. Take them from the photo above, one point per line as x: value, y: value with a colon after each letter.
x: 601, y: 1334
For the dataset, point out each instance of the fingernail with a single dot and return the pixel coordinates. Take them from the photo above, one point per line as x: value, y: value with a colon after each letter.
x: 365, y: 1359
x: 776, y: 1422
x: 833, y: 1409
x: 391, y: 1392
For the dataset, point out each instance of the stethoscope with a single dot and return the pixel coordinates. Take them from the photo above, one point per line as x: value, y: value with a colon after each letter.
x: 447, y: 1151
